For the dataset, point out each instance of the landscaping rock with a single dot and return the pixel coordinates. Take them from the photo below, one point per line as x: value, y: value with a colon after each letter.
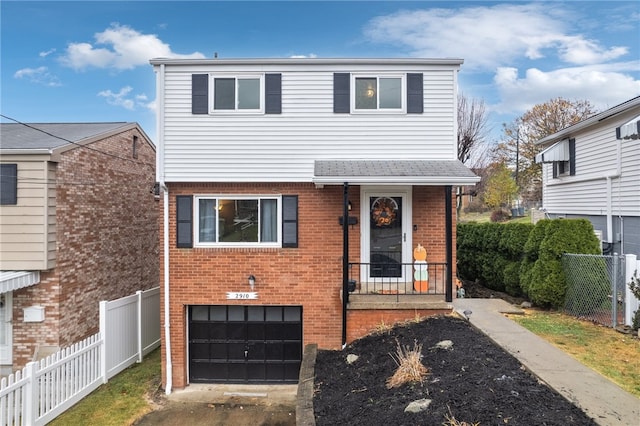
x: 351, y: 358
x: 418, y: 406
x: 444, y: 344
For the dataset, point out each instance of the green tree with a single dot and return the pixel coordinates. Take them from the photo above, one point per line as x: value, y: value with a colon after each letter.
x: 501, y: 188
x: 519, y: 148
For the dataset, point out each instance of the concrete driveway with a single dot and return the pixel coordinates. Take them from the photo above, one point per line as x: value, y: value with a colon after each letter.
x: 238, y: 405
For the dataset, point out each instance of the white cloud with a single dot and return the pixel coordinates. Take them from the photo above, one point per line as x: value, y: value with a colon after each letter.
x: 310, y: 55
x: 490, y: 36
x: 126, y: 99
x: 46, y: 53
x: 602, y: 85
x: 40, y: 75
x: 119, y: 47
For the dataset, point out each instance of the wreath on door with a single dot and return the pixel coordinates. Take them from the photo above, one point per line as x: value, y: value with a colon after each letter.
x: 384, y: 211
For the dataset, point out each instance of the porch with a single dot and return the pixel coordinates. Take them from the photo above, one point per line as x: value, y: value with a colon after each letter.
x: 398, y: 282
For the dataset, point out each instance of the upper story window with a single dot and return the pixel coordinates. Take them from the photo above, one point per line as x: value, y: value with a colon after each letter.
x: 237, y: 220
x: 8, y: 184
x: 237, y: 93
x: 383, y: 93
x: 378, y: 93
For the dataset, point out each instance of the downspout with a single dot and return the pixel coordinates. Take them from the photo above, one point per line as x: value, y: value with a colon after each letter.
x: 167, y: 323
x: 165, y: 229
x: 448, y: 243
x: 345, y: 262
x: 618, y: 174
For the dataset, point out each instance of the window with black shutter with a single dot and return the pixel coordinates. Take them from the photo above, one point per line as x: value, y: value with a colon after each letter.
x: 290, y: 221
x: 242, y: 93
x: 8, y: 184
x: 199, y: 93
x: 184, y: 221
x: 341, y: 97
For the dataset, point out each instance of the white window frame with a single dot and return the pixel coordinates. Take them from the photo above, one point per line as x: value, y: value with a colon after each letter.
x: 566, y: 165
x: 236, y: 77
x: 378, y: 110
x: 196, y: 220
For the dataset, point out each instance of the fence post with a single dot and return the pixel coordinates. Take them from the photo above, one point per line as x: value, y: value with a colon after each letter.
x: 31, y: 401
x: 614, y: 289
x: 139, y: 325
x: 103, y: 341
x: 631, y: 302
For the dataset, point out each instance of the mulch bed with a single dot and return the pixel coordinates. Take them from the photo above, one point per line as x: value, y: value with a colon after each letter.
x: 474, y: 381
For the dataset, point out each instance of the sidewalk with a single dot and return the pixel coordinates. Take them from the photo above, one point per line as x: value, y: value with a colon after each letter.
x: 599, y: 398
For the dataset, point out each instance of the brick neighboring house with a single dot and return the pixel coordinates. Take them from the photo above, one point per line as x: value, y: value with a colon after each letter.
x: 78, y: 224
x: 259, y: 162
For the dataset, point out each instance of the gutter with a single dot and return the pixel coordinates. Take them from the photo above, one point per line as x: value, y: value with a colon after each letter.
x: 165, y: 230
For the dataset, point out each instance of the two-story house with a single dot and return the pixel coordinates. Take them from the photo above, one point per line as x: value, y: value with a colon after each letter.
x: 78, y: 224
x: 591, y: 170
x: 295, y: 193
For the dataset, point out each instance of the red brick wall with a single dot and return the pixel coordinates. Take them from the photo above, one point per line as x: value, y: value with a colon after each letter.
x: 363, y: 322
x: 310, y: 275
x: 106, y: 242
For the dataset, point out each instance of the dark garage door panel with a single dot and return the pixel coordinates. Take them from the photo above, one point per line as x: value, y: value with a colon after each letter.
x: 245, y: 344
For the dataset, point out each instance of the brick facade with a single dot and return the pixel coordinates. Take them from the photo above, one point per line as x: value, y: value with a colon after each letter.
x: 310, y: 275
x: 106, y: 242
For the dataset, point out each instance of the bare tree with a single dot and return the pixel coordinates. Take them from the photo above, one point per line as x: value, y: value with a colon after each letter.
x: 472, y: 127
x: 518, y: 147
x: 472, y: 134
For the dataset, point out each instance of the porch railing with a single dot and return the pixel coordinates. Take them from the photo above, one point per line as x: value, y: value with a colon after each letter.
x: 396, y: 278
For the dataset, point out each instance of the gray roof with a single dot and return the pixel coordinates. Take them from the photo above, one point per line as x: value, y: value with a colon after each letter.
x: 595, y: 119
x: 389, y: 172
x: 49, y: 136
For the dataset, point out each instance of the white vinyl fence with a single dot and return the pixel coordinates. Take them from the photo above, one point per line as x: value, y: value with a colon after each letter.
x: 129, y: 329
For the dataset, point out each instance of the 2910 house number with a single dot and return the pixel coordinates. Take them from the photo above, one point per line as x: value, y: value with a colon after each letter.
x: 246, y: 295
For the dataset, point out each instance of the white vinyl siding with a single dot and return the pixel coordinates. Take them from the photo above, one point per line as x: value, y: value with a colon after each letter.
x: 27, y: 229
x: 588, y: 193
x: 283, y: 147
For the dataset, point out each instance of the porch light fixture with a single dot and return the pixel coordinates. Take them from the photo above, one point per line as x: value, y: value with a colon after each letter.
x: 252, y: 281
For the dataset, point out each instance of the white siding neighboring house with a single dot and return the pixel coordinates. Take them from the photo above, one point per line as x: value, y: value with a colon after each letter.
x: 592, y: 170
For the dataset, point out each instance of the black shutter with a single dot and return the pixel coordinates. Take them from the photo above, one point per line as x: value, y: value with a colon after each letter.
x: 273, y: 94
x: 184, y: 221
x: 290, y: 221
x: 9, y: 184
x: 199, y: 93
x: 415, y: 95
x: 572, y: 157
x: 555, y: 166
x: 341, y: 98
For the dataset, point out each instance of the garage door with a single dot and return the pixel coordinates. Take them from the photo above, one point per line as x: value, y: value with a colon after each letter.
x: 245, y: 344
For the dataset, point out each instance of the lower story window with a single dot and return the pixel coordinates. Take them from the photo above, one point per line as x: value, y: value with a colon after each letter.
x: 238, y: 220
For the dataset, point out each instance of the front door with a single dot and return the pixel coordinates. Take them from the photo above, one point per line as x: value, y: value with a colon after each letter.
x: 6, y: 328
x: 386, y: 238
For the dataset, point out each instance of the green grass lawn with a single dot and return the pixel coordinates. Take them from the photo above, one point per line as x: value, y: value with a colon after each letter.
x: 121, y: 401
x: 486, y: 217
x: 613, y: 354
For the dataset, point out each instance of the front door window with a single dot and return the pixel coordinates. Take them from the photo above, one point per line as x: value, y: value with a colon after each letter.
x: 385, y: 237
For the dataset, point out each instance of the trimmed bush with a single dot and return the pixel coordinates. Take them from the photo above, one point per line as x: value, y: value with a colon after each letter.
x: 491, y: 253
x: 545, y: 281
x: 531, y: 253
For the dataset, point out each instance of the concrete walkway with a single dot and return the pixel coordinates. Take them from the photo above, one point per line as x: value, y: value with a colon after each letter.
x: 598, y: 397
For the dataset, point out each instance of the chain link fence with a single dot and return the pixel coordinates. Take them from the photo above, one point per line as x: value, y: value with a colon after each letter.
x: 595, y: 288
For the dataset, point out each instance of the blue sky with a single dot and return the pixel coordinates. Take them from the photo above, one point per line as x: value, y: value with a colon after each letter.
x: 82, y: 61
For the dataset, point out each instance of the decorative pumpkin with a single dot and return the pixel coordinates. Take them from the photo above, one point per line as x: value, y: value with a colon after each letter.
x: 420, y: 253
x: 421, y: 274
